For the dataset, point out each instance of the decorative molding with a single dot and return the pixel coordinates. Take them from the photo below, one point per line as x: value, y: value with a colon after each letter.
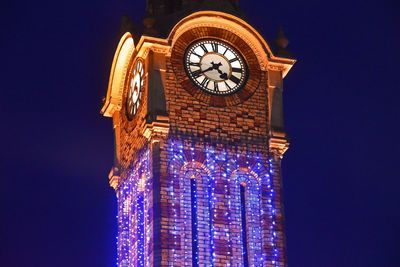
x: 283, y: 65
x: 114, y: 177
x: 158, y: 45
x: 119, y: 69
x: 157, y: 129
x: 233, y: 25
x: 161, y: 49
x: 278, y: 144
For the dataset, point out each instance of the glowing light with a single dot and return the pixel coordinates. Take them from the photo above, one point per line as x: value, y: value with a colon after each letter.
x: 206, y: 206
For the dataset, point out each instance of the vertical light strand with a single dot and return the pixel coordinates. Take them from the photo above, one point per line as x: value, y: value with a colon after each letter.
x: 211, y: 204
x: 243, y: 211
x: 228, y: 214
x: 174, y: 215
x: 195, y: 237
x: 132, y: 193
x: 259, y: 168
x: 260, y: 223
x: 119, y: 220
x: 124, y: 231
x: 148, y: 202
x: 194, y: 242
x: 141, y: 228
x: 271, y: 202
x: 183, y: 177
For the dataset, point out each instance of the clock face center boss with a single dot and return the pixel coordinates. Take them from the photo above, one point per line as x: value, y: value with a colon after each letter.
x: 215, y: 67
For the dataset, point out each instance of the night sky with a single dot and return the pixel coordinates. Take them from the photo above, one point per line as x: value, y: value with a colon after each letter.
x: 341, y: 174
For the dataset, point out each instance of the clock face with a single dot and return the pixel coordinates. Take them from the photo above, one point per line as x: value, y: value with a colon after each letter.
x: 135, y: 90
x: 215, y: 67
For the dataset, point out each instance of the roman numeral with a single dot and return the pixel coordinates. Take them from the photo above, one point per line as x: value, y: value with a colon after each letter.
x: 204, y: 48
x: 205, y: 82
x: 227, y: 85
x: 195, y: 64
x: 226, y: 50
x: 197, y: 73
x: 216, y: 87
x: 238, y: 70
x: 233, y: 60
x: 197, y: 55
x: 214, y: 47
x: 234, y: 79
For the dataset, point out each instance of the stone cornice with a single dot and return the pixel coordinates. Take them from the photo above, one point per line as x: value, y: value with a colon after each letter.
x: 278, y: 143
x: 114, y: 177
x: 156, y: 129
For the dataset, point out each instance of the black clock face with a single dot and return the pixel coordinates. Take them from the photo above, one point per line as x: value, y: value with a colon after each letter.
x: 215, y: 67
x: 135, y: 90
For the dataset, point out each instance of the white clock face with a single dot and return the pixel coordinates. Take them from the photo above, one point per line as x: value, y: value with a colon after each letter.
x: 135, y: 89
x: 215, y: 67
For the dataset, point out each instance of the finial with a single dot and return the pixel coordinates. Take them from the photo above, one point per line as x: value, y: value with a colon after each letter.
x: 235, y: 2
x: 282, y: 43
x: 127, y: 24
x: 149, y: 23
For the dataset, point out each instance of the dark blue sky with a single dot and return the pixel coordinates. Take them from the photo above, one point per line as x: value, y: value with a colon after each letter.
x: 341, y: 175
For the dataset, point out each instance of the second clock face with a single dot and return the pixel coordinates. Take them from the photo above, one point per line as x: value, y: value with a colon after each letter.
x: 215, y: 67
x: 135, y: 89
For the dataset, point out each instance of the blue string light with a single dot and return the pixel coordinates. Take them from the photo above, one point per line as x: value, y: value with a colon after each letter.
x: 256, y: 170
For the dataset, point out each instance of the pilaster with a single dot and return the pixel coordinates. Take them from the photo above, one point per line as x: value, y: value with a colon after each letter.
x: 278, y: 145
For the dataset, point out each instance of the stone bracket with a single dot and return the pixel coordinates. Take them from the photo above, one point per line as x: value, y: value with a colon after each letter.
x: 114, y: 177
x: 278, y: 143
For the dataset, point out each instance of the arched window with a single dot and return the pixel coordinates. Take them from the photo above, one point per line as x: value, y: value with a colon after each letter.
x: 247, y: 200
x: 196, y: 217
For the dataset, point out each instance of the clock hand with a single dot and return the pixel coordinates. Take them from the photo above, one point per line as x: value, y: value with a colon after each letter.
x: 216, y: 67
x: 223, y: 75
x: 210, y: 68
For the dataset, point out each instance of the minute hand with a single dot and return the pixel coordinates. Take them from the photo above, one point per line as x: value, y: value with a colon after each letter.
x: 210, y: 68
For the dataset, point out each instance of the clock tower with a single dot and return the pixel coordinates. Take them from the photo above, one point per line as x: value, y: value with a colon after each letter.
x: 196, y: 105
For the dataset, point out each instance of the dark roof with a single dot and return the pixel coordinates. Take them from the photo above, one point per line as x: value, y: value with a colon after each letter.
x: 163, y: 15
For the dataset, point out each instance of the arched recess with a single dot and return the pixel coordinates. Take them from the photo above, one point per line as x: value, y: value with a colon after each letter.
x: 116, y: 84
x: 181, y: 171
x: 246, y: 198
x: 195, y: 208
x: 227, y: 22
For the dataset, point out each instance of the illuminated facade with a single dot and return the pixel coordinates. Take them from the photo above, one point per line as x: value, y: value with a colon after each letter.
x: 197, y: 114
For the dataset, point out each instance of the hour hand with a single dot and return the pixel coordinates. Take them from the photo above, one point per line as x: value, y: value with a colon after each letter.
x: 223, y: 76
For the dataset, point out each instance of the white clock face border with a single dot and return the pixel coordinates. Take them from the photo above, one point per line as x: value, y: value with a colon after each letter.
x: 135, y: 89
x: 215, y: 67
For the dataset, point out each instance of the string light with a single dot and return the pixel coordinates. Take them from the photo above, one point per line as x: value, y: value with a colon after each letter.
x: 133, y: 231
x: 197, y: 206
